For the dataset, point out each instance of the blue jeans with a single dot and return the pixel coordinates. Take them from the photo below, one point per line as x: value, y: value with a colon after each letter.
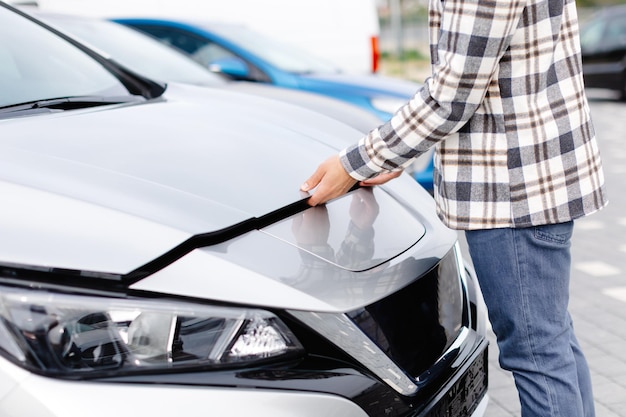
x: 524, y: 276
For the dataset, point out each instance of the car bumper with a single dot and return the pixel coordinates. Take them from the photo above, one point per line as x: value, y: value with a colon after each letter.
x: 465, y: 394
x: 26, y: 394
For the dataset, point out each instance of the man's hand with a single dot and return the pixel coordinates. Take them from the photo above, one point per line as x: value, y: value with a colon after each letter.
x: 381, y: 178
x: 332, y: 180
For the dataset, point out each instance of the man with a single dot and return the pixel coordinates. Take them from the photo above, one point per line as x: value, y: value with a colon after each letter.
x: 516, y: 161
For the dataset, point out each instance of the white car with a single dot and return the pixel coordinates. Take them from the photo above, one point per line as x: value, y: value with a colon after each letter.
x: 158, y: 258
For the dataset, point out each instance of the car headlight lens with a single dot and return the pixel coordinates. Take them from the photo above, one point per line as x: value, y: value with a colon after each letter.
x: 70, y: 335
x: 388, y: 104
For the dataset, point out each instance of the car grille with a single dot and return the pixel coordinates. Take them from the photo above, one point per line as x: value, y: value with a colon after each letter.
x: 407, y: 333
x: 416, y: 325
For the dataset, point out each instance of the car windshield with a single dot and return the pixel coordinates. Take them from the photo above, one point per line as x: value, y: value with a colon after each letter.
x: 37, y: 65
x: 279, y: 54
x: 135, y: 51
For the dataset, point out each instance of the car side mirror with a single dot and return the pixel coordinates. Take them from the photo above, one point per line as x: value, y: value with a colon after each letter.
x: 232, y: 67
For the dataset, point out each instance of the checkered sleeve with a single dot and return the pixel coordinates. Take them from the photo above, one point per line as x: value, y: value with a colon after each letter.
x: 473, y: 36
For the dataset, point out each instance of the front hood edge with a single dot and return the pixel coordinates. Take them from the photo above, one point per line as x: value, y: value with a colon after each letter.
x: 107, y: 280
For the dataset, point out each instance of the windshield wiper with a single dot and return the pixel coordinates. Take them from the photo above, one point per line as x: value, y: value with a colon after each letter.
x: 65, y: 103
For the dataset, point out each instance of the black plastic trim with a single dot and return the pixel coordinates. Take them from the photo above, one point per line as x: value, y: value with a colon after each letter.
x: 213, y: 238
x: 331, y: 375
x: 106, y: 280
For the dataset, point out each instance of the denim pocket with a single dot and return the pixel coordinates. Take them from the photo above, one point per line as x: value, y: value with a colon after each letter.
x: 559, y: 234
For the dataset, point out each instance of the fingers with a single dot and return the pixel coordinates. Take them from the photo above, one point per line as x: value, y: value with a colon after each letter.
x: 330, y: 180
x: 324, y: 194
x: 313, y: 180
x: 381, y: 178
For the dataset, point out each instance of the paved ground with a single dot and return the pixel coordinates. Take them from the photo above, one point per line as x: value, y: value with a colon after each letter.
x: 598, y: 288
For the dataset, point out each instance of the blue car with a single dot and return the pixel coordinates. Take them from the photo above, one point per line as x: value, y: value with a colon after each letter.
x: 245, y: 55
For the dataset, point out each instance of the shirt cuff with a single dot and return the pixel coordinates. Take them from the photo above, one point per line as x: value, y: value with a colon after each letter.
x: 357, y: 163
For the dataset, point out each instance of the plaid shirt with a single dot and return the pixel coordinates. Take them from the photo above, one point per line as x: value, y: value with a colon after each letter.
x: 507, y: 111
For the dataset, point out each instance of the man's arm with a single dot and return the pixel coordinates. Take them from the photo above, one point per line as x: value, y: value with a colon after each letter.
x: 474, y: 35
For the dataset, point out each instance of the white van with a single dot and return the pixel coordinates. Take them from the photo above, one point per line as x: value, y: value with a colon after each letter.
x: 343, y: 32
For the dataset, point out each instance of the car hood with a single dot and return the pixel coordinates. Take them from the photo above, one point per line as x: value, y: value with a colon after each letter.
x: 109, y: 190
x: 349, y: 114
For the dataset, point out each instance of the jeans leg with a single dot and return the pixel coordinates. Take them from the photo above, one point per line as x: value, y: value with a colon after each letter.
x: 524, y: 275
x: 584, y: 378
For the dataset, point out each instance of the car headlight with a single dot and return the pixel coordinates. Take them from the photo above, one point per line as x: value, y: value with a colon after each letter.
x: 83, y: 336
x: 388, y: 104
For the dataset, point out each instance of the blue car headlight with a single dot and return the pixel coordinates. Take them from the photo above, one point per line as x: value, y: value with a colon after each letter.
x: 74, y: 335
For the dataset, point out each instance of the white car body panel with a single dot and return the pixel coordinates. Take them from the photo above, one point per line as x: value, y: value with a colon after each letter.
x: 23, y: 394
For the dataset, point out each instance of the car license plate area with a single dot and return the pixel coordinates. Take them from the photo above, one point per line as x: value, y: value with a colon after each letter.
x: 465, y: 394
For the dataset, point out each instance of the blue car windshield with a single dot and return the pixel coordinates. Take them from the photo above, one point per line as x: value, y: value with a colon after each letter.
x: 35, y: 64
x: 281, y: 55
